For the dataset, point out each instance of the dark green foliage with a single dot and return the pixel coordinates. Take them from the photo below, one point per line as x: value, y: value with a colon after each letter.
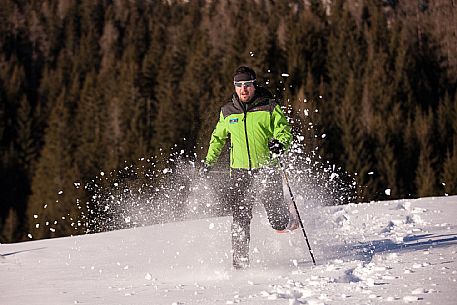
x: 92, y: 86
x: 53, y: 197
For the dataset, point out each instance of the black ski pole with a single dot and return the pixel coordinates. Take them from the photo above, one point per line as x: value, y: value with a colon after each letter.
x: 296, y: 210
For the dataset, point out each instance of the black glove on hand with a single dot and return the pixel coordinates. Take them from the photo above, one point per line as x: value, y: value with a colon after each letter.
x: 276, y: 147
x: 203, y: 171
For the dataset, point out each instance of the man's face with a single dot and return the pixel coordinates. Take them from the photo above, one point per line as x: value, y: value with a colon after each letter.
x: 245, y: 90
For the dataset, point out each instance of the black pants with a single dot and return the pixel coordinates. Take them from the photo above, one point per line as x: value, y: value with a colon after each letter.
x: 244, y: 187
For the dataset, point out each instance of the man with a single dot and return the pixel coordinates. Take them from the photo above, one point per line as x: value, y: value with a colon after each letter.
x: 257, y: 129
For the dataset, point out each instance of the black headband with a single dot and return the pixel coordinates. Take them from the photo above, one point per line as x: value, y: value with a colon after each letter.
x: 243, y: 77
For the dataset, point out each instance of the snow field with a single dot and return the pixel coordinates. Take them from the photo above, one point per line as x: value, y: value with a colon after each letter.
x: 397, y: 252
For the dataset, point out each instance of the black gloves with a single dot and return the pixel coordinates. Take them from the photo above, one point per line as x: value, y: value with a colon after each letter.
x: 203, y: 171
x: 276, y: 147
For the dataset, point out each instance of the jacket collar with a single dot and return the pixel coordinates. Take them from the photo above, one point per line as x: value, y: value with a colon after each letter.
x: 261, y: 94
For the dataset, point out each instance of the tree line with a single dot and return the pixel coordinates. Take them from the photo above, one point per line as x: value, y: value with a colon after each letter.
x: 91, y: 86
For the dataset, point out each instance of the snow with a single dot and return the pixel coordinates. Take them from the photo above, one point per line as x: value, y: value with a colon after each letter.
x: 398, y: 252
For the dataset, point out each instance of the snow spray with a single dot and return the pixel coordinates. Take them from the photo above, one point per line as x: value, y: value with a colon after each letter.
x: 153, y: 191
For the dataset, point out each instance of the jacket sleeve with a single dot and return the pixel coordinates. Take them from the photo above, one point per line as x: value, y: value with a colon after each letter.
x: 217, y: 142
x: 281, y: 127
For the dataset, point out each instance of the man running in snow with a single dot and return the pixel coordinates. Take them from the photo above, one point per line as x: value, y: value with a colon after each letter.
x: 258, y: 129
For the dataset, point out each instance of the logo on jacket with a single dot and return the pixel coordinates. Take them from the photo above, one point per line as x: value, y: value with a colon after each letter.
x: 233, y: 121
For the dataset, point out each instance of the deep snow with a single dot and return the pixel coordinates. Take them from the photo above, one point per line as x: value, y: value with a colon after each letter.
x: 380, y: 252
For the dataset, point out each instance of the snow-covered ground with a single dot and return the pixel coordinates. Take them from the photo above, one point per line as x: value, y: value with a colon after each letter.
x: 381, y: 252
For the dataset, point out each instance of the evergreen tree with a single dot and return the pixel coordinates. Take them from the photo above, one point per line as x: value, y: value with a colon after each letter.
x: 196, y: 93
x: 356, y: 152
x: 111, y: 115
x: 169, y: 111
x: 9, y: 230
x: 90, y: 122
x: 134, y: 143
x: 426, y: 178
x: 445, y: 114
x: 346, y: 56
x: 306, y: 49
x: 52, y: 208
x: 450, y: 170
x: 25, y: 142
x: 384, y: 119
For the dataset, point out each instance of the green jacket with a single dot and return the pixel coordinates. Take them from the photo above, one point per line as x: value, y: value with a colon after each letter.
x: 250, y: 127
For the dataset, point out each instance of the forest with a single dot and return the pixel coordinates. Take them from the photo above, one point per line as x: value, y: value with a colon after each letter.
x: 89, y: 87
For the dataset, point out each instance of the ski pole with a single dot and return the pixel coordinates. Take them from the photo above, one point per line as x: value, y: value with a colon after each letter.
x: 296, y: 210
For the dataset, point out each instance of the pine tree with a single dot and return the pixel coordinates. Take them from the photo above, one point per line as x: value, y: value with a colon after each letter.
x: 199, y: 100
x: 53, y: 209
x: 450, y: 170
x: 108, y: 46
x: 356, y: 153
x: 384, y: 118
x: 151, y: 61
x: 426, y: 175
x: 306, y: 49
x: 169, y: 111
x: 345, y: 50
x: 132, y: 106
x: 90, y: 121
x: 25, y: 142
x: 346, y: 56
x: 445, y: 113
x: 9, y: 229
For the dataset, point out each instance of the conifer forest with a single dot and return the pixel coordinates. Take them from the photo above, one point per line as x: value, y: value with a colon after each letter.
x: 97, y: 87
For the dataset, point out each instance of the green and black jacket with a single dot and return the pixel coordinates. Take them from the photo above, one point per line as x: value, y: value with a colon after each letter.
x: 250, y: 127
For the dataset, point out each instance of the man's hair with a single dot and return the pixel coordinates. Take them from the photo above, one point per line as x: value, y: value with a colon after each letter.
x: 244, y: 73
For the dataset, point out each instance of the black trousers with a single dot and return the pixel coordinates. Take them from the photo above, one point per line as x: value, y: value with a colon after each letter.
x: 242, y: 190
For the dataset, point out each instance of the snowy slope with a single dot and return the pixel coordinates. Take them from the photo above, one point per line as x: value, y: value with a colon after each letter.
x: 382, y: 252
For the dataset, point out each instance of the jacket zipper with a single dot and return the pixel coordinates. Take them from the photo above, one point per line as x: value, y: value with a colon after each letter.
x: 247, y: 142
